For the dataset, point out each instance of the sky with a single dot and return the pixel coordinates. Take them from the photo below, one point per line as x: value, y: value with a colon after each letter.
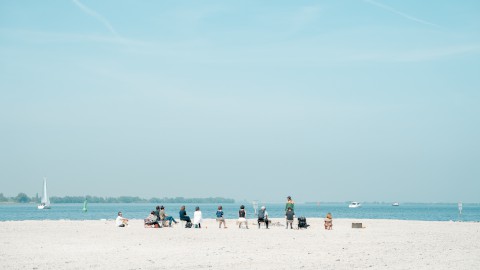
x: 365, y: 100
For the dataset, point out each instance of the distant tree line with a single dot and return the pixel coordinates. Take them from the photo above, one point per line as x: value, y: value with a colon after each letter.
x: 23, y: 198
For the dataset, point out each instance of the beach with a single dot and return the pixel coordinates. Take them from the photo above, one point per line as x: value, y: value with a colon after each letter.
x: 381, y: 244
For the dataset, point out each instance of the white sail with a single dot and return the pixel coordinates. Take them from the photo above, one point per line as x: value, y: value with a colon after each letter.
x: 45, y: 203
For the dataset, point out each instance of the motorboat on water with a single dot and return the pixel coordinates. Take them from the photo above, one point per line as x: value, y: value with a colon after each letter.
x: 395, y: 204
x: 354, y: 205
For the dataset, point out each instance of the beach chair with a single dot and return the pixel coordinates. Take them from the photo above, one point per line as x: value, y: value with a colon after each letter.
x: 264, y: 221
x: 163, y: 223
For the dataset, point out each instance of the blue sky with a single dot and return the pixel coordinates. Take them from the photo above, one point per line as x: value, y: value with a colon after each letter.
x: 321, y: 100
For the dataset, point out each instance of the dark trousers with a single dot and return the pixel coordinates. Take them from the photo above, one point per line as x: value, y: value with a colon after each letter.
x: 263, y: 220
x: 186, y: 218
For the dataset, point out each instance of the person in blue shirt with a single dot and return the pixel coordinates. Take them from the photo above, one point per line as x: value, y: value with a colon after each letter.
x: 220, y: 218
x: 183, y: 215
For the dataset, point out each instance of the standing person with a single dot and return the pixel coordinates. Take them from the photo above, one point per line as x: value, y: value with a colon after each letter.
x: 242, y: 217
x: 121, y: 221
x: 263, y: 216
x: 164, y: 216
x: 220, y: 217
x: 197, y: 217
x: 290, y: 203
x: 183, y: 216
x: 289, y: 217
x: 328, y: 222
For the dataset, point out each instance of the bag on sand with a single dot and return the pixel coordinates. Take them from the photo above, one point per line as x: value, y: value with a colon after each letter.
x: 302, y: 222
x: 188, y: 225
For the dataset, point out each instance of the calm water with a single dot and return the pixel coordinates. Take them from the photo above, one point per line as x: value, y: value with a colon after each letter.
x: 411, y: 211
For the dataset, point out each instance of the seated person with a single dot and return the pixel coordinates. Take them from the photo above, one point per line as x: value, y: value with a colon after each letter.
x: 151, y: 220
x: 242, y: 214
x: 121, y: 221
x: 328, y: 222
x: 289, y: 216
x: 183, y: 215
x: 164, y: 217
x: 263, y: 216
x: 197, y: 217
x: 220, y: 217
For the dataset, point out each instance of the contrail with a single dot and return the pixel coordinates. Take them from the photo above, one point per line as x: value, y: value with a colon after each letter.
x: 400, y: 13
x: 97, y: 16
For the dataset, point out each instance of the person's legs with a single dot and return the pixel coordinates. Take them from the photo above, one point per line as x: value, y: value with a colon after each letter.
x: 172, y: 219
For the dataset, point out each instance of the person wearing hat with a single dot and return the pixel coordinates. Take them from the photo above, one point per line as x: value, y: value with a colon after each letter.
x: 263, y: 216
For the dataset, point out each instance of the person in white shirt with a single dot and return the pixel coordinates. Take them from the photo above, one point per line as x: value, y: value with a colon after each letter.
x: 197, y: 217
x: 121, y: 221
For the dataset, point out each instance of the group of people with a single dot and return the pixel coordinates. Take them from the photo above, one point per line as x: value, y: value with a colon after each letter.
x: 159, y: 218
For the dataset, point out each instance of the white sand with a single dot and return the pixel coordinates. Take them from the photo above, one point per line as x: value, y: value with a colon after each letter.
x: 383, y: 244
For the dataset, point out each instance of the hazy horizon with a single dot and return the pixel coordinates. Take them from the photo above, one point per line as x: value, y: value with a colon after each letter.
x: 324, y: 101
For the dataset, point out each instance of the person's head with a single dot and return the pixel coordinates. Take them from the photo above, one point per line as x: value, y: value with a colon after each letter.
x: 329, y: 215
x: 158, y: 207
x: 220, y: 207
x: 263, y: 207
x: 162, y: 208
x: 289, y: 198
x: 182, y: 207
x: 197, y: 208
x: 289, y: 209
x: 120, y: 213
x: 152, y: 213
x: 242, y: 206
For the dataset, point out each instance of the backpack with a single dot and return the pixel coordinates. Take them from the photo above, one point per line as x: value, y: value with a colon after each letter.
x: 302, y: 222
x: 219, y: 214
x: 188, y: 225
x: 261, y: 214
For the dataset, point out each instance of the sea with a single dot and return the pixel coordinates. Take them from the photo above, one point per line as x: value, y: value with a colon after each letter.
x: 101, y: 211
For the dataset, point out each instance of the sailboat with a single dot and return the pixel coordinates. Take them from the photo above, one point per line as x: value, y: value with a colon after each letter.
x: 85, y: 206
x: 45, y: 203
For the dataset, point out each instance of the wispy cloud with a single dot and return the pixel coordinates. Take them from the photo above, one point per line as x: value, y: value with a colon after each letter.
x: 420, y: 55
x: 54, y: 37
x: 99, y: 17
x: 406, y: 16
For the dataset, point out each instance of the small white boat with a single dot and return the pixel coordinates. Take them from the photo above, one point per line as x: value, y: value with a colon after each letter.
x: 45, y: 203
x: 354, y: 205
x: 395, y: 204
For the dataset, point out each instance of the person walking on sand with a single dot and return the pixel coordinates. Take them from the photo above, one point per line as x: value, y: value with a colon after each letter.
x: 328, y: 222
x: 220, y: 217
x: 289, y: 217
x: 121, y: 221
x: 242, y: 217
x: 290, y: 203
x: 197, y: 218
